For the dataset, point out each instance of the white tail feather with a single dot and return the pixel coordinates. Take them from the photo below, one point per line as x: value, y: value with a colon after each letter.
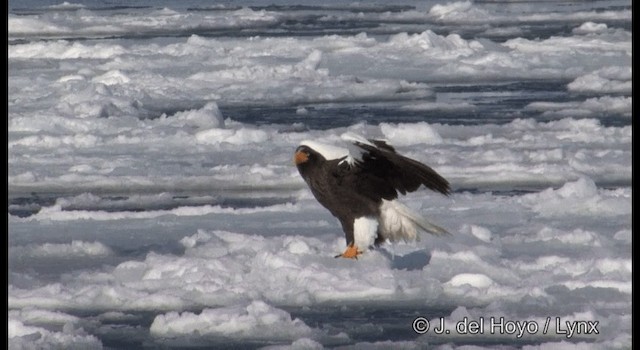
x: 398, y: 222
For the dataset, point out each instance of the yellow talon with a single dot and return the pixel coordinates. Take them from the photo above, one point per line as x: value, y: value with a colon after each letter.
x: 351, y: 252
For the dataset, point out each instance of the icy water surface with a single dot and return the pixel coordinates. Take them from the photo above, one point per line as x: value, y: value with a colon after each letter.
x: 153, y: 202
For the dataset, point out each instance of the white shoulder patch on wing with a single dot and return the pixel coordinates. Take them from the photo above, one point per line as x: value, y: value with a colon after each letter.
x: 352, y: 137
x: 352, y: 153
x: 355, y: 151
x: 354, y: 141
x: 329, y: 152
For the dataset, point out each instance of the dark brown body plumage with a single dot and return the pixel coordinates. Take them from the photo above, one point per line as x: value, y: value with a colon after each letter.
x: 353, y: 190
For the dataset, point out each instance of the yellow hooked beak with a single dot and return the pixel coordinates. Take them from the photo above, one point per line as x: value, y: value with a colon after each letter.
x: 300, y: 157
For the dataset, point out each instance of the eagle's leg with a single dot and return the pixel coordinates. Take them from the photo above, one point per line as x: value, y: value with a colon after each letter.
x: 351, y: 252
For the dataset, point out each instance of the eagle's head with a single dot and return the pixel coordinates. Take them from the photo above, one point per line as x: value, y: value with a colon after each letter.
x: 302, y: 155
x: 311, y: 153
x: 306, y: 159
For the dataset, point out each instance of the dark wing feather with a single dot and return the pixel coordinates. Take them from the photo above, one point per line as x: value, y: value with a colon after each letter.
x: 404, y: 174
x: 366, y: 180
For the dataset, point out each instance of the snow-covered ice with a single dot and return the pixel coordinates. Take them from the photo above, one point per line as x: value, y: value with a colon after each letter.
x: 153, y: 201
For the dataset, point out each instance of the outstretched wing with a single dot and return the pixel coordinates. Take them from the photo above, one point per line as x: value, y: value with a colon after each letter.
x: 380, y: 160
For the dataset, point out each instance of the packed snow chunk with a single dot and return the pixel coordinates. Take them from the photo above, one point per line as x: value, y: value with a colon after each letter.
x: 297, y: 246
x: 82, y: 168
x: 450, y: 47
x: 481, y: 233
x: 582, y: 188
x: 192, y: 241
x: 621, y: 286
x: 590, y: 27
x: 256, y: 320
x: 47, y: 141
x: 455, y: 8
x: 22, y: 336
x: 66, y: 6
x: 476, y: 280
x: 623, y: 235
x: 65, y: 250
x: 613, y: 79
x: 72, y: 77
x: 575, y: 237
x: 611, y: 266
x: 43, y: 317
x: 580, y: 197
x: 243, y: 136
x: 299, y: 344
x: 130, y: 271
x: 208, y: 116
x: 60, y: 50
x: 312, y: 61
x: 113, y: 77
x: 23, y: 26
x: 591, y: 107
x: 547, y: 263
x: 608, y: 104
x: 410, y: 134
x: 26, y: 177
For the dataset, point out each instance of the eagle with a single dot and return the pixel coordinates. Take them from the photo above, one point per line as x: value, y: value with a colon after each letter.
x: 360, y: 185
